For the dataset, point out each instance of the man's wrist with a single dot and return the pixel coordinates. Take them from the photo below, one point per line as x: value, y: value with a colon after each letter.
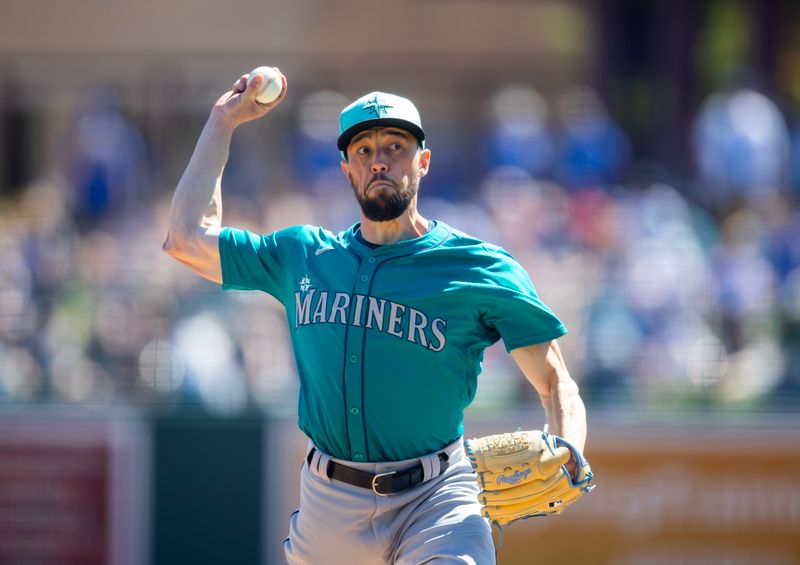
x: 220, y: 123
x: 572, y: 467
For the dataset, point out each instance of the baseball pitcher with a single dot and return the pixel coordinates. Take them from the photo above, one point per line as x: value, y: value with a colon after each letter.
x: 389, y: 321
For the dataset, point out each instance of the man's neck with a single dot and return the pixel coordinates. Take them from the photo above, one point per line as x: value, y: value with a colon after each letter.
x: 408, y: 225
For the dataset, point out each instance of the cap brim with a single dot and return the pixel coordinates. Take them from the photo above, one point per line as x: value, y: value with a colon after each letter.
x: 350, y: 133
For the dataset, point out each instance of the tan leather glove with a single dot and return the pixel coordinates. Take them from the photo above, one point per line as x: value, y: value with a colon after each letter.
x: 523, y: 474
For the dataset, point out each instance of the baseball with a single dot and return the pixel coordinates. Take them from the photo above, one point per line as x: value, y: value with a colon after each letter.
x: 272, y: 86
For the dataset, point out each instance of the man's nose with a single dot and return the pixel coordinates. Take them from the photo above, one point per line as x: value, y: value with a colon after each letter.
x: 379, y: 166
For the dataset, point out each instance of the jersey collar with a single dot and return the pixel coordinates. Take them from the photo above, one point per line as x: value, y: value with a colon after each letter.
x: 437, y: 233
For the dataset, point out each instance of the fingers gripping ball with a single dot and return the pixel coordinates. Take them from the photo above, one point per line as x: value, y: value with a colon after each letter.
x: 522, y: 474
x: 271, y: 87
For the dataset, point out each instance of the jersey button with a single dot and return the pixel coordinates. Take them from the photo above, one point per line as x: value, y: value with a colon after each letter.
x: 364, y: 278
x: 371, y: 259
x: 354, y: 358
x: 358, y: 457
x: 354, y: 411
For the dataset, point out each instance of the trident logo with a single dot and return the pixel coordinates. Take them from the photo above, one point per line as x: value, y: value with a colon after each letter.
x: 375, y: 107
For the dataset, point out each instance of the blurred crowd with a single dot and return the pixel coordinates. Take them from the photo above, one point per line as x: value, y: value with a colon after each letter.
x: 680, y: 293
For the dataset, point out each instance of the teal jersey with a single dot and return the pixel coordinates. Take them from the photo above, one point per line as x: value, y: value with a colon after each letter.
x: 388, y: 342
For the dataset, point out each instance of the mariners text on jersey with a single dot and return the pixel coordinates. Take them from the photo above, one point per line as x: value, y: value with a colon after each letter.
x: 389, y: 341
x: 371, y: 312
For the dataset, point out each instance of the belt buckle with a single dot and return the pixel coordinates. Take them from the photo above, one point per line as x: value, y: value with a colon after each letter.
x: 375, y: 482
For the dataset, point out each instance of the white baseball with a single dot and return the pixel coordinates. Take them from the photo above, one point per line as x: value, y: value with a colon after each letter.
x: 271, y: 87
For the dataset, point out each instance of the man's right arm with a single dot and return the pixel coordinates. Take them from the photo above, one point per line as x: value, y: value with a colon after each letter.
x: 195, y: 219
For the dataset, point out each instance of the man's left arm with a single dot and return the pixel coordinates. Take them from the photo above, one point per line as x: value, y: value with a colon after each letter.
x: 543, y: 365
x: 530, y: 473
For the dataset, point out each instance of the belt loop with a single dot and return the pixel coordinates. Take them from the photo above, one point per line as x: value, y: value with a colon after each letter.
x: 455, y: 451
x: 318, y: 466
x: 430, y: 466
x: 322, y: 465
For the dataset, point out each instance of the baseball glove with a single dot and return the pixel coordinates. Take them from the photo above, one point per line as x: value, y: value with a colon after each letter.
x: 522, y: 474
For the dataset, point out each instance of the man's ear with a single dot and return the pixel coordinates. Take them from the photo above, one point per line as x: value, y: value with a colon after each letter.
x: 424, y: 162
x: 345, y: 168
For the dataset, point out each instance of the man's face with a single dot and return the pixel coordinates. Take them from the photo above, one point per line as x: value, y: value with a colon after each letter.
x: 384, y: 167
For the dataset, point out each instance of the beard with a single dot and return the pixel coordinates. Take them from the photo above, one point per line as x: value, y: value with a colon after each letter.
x: 383, y: 207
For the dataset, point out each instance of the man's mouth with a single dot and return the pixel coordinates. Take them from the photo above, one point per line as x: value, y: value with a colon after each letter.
x: 380, y: 182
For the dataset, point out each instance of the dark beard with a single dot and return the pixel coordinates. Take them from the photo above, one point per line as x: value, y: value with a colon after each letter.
x: 385, y: 208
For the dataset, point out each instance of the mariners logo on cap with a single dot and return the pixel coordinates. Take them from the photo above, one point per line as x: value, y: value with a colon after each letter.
x: 378, y: 109
x: 375, y: 107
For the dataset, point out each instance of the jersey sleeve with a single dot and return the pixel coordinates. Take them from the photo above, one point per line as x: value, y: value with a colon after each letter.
x: 252, y: 261
x: 509, y: 307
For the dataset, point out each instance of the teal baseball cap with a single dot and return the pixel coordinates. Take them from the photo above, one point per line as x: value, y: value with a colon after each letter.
x: 378, y: 109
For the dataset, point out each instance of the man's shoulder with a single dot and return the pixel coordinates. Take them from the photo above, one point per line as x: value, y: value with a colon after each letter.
x: 470, y: 243
x: 309, y: 234
x: 304, y: 234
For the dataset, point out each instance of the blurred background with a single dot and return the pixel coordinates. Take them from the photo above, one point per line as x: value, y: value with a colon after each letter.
x: 640, y: 159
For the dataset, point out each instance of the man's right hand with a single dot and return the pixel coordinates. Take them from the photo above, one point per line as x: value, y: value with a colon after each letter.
x: 239, y: 106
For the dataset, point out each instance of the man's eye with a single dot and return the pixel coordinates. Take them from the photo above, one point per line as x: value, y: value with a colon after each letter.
x: 395, y: 146
x: 362, y: 150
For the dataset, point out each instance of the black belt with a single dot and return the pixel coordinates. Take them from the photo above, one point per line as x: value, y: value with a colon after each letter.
x: 382, y: 484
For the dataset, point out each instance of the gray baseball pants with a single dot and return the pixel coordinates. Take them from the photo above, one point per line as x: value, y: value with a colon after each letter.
x: 438, y: 521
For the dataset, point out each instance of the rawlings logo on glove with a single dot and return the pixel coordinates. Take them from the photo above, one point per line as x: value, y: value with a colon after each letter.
x: 515, y: 478
x: 523, y: 474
